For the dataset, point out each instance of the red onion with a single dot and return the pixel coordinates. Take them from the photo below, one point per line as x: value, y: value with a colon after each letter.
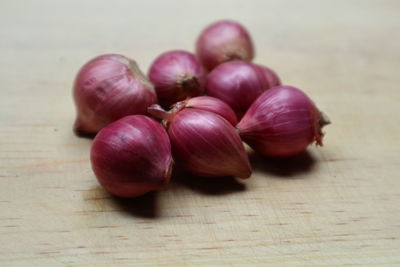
x: 205, y: 143
x: 108, y: 88
x: 270, y: 75
x: 132, y: 156
x: 237, y: 83
x: 177, y: 75
x: 282, y: 122
x: 210, y: 104
x: 223, y: 41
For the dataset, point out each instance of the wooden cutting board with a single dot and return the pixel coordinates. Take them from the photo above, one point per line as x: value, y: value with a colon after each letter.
x: 333, y: 206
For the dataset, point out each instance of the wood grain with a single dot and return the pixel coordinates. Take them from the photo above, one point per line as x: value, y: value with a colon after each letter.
x: 332, y: 206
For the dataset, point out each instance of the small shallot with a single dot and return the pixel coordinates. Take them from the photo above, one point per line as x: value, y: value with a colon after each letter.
x: 210, y: 104
x: 177, y: 75
x: 132, y: 156
x: 205, y: 143
x: 270, y: 75
x: 108, y: 88
x: 282, y: 122
x: 237, y: 83
x: 223, y: 41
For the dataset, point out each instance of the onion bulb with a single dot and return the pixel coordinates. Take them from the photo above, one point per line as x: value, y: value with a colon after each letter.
x: 209, y: 103
x: 282, y: 122
x: 108, y: 88
x: 132, y: 156
x: 223, y: 41
x: 270, y: 75
x: 204, y: 143
x: 237, y: 83
x: 177, y: 75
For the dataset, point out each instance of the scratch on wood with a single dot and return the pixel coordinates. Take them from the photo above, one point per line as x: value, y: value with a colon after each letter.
x: 105, y: 226
x: 338, y: 159
x: 183, y: 215
x: 278, y: 224
x: 49, y: 252
x: 306, y: 212
x: 97, y: 198
x: 83, y: 212
x: 9, y: 219
x: 339, y: 239
x: 344, y: 235
x: 53, y: 163
x: 103, y: 252
x: 53, y: 187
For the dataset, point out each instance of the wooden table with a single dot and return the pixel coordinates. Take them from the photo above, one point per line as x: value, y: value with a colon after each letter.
x: 333, y: 206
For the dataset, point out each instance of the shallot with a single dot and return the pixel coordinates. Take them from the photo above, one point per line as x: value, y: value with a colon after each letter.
x: 210, y: 104
x: 177, y: 75
x: 270, y: 75
x: 205, y: 143
x: 108, y: 88
x: 132, y: 156
x: 223, y: 41
x: 237, y: 83
x: 282, y: 122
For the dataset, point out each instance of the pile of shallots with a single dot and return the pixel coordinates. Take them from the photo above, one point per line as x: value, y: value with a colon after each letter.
x: 193, y: 110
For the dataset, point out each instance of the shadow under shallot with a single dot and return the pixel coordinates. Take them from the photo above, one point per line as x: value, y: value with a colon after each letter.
x: 206, y: 185
x: 143, y: 206
x: 283, y: 167
x: 101, y: 201
x: 84, y: 134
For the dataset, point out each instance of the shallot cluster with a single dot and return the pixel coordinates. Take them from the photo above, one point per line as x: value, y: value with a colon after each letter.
x: 195, y: 110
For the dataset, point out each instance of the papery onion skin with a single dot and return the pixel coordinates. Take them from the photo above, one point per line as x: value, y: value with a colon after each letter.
x: 207, y: 145
x: 108, y: 88
x: 223, y: 41
x: 132, y: 156
x: 237, y: 83
x: 177, y: 75
x: 214, y: 105
x: 282, y: 122
x: 270, y: 75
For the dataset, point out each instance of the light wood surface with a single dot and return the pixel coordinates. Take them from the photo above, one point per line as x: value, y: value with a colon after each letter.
x: 334, y: 206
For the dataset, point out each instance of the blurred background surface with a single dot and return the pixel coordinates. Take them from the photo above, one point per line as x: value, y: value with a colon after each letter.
x: 337, y: 205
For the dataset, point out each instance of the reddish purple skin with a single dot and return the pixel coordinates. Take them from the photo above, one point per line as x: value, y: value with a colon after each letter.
x: 270, y: 75
x: 132, y: 156
x: 106, y: 90
x: 215, y: 105
x: 237, y: 83
x: 223, y: 41
x: 282, y: 122
x: 177, y: 75
x: 207, y: 145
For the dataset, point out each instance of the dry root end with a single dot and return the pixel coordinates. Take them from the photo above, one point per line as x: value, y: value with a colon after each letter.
x: 323, y: 120
x: 189, y: 83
